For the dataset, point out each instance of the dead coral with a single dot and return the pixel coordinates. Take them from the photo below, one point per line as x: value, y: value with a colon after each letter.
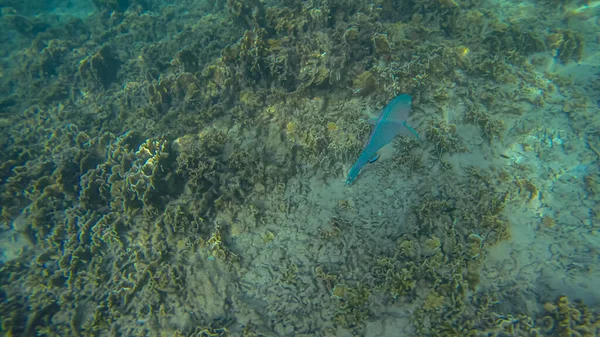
x: 563, y: 318
x: 197, y: 156
x: 567, y: 45
x: 443, y: 136
x: 354, y: 306
x: 250, y: 14
x: 491, y: 128
x: 101, y: 68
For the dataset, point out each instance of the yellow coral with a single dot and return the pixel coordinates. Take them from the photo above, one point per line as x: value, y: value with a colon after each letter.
x: 268, y: 236
x: 291, y: 127
x: 339, y: 291
x: 463, y: 52
x: 433, y: 243
x: 433, y: 301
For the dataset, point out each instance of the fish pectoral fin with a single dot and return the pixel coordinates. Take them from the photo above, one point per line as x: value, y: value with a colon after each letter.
x: 374, y: 158
x: 408, y: 131
x: 404, y: 129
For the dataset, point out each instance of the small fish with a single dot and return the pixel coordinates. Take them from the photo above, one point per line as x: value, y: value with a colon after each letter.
x: 390, y: 123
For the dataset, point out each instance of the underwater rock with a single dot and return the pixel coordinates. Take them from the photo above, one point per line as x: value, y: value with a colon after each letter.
x: 27, y: 26
x: 101, y: 68
x: 112, y: 5
x: 251, y: 14
x: 364, y: 84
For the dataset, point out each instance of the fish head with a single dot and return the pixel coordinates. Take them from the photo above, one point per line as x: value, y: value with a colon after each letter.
x: 399, y: 109
x: 404, y: 99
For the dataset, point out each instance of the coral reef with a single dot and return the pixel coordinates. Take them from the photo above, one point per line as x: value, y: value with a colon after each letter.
x: 563, y: 318
x: 155, y: 155
x: 101, y: 68
x: 567, y: 44
x: 443, y: 136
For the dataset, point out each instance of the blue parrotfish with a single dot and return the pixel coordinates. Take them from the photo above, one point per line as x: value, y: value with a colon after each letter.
x: 390, y: 123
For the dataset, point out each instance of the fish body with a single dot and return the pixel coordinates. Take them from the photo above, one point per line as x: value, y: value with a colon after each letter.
x: 390, y: 123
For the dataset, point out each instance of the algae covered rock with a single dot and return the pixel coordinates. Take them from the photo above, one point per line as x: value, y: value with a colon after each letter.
x: 101, y: 68
x: 567, y: 44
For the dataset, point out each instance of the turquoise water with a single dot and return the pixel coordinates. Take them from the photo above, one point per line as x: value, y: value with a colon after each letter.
x: 178, y: 168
